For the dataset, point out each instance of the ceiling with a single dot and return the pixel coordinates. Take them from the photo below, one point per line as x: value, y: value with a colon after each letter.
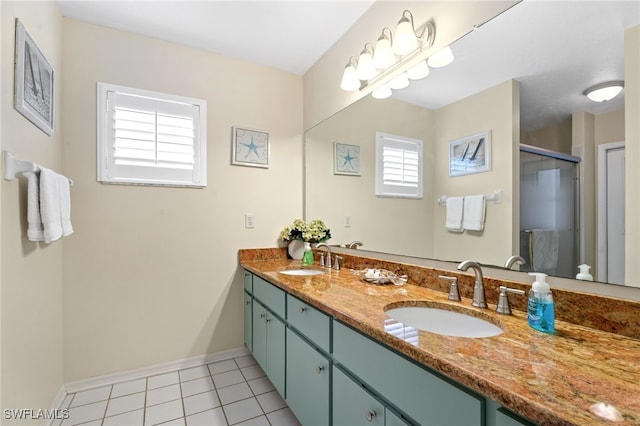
x: 555, y: 49
x: 287, y: 35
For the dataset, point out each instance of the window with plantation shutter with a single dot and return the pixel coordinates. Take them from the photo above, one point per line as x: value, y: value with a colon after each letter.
x: 150, y: 138
x: 398, y: 166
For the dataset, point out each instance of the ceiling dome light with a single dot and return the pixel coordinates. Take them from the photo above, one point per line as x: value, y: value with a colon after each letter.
x: 441, y: 58
x: 419, y: 71
x: 405, y: 39
x: 383, y: 55
x: 365, y: 68
x: 604, y: 92
x: 382, y: 92
x: 350, y: 79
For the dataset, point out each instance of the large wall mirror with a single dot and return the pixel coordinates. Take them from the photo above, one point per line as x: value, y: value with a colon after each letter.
x: 519, y: 78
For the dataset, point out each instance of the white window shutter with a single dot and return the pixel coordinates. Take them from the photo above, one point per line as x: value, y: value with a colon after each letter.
x: 150, y: 138
x: 398, y: 166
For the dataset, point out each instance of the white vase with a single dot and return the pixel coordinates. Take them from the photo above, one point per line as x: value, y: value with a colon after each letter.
x: 296, y: 249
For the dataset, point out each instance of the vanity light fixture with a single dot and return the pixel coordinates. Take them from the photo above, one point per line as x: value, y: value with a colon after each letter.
x: 604, y: 91
x: 396, y: 58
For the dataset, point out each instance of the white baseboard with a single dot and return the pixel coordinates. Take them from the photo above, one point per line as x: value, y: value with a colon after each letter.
x: 124, y: 376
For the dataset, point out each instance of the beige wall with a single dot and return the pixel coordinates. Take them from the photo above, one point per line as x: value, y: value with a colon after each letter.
x: 383, y: 224
x: 632, y: 152
x: 464, y: 118
x: 556, y: 138
x: 322, y: 94
x: 151, y: 273
x: 609, y: 127
x: 31, y: 274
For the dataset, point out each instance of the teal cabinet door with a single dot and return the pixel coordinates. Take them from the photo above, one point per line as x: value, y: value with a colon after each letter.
x: 352, y: 404
x: 269, y: 345
x: 307, y: 382
x: 248, y: 321
x: 248, y: 282
x: 276, y: 353
x: 259, y: 343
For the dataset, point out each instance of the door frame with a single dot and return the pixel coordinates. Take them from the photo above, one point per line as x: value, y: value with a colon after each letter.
x: 602, y: 207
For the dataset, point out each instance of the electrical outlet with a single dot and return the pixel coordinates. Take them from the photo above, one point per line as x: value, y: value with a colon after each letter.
x: 347, y: 221
x: 249, y: 221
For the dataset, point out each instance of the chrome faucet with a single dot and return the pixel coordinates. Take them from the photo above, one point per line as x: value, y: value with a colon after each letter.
x: 513, y: 260
x: 478, y: 289
x: 355, y: 244
x: 328, y: 262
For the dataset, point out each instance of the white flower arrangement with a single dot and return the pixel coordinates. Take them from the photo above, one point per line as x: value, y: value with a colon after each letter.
x: 312, y: 232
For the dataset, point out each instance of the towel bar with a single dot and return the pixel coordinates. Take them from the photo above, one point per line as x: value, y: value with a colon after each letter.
x: 495, y: 196
x: 13, y: 167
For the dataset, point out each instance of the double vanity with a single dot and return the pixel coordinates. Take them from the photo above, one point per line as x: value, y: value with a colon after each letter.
x: 343, y: 351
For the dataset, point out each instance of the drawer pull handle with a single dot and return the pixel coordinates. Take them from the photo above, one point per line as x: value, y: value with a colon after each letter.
x: 302, y: 309
x: 370, y: 415
x: 319, y: 369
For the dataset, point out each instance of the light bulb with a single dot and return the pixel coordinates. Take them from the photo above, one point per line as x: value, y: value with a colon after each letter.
x: 400, y: 82
x: 365, y: 69
x: 383, y: 55
x: 350, y: 80
x: 404, y: 40
x: 381, y: 92
x: 421, y: 70
x: 441, y: 58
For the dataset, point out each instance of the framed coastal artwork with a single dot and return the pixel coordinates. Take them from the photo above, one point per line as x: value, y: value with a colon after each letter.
x: 346, y: 159
x: 34, y: 95
x: 470, y: 155
x: 250, y: 147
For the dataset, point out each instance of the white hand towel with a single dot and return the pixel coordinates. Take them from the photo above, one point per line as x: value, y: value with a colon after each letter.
x: 35, y: 231
x: 455, y: 213
x: 55, y: 205
x: 474, y: 207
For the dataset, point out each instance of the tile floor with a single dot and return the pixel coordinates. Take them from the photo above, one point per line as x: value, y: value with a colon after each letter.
x: 231, y: 392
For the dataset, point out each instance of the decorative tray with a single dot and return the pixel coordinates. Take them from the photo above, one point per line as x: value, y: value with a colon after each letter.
x: 381, y: 276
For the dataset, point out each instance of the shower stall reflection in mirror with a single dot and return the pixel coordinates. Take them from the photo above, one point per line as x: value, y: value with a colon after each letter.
x: 549, y: 212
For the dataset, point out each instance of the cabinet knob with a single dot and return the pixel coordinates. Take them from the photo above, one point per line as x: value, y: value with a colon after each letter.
x: 248, y: 302
x: 268, y: 319
x: 320, y: 369
x: 302, y: 309
x: 370, y: 415
x: 262, y: 316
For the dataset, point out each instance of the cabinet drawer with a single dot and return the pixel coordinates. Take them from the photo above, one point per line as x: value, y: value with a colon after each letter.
x: 309, y: 321
x: 425, y: 397
x: 248, y: 281
x: 270, y: 296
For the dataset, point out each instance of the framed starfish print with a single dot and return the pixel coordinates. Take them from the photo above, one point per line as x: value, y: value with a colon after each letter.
x: 250, y: 147
x: 346, y: 159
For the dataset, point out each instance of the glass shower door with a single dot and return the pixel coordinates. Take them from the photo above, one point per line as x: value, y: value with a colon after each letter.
x: 549, y: 213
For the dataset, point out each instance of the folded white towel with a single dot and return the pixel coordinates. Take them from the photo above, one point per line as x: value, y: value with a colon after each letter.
x: 55, y: 205
x: 455, y: 213
x: 35, y: 231
x: 474, y: 208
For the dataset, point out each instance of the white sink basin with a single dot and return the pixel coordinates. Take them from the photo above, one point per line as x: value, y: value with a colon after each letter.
x: 445, y: 322
x: 301, y: 272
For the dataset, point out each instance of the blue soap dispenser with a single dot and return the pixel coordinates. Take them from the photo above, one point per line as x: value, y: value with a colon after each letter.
x: 540, y: 307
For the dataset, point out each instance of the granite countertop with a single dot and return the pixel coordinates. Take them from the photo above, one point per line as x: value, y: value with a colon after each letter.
x: 550, y: 379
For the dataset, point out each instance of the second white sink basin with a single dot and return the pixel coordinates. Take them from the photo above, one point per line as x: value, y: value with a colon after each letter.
x: 301, y: 272
x: 445, y: 322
